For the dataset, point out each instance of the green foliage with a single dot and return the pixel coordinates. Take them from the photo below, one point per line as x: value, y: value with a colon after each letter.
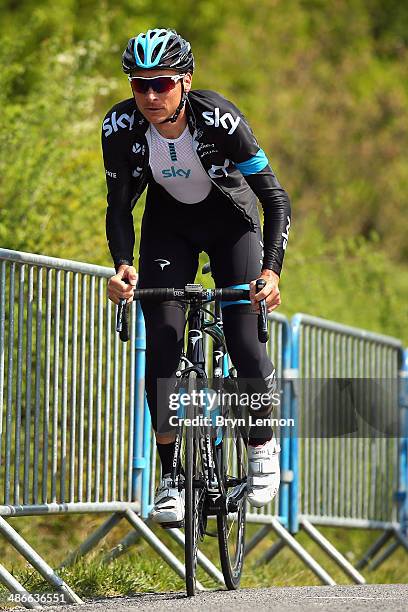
x: 348, y: 280
x: 50, y: 165
x: 323, y: 84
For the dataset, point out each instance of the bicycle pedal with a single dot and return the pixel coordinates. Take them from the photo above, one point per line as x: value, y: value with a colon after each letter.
x: 173, y: 525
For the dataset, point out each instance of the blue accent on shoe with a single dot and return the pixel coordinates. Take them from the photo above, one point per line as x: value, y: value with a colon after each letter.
x: 149, y: 43
x: 253, y: 164
x: 244, y: 286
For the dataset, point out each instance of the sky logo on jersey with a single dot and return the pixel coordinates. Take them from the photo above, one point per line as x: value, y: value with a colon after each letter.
x: 113, y: 123
x: 173, y: 173
x: 226, y: 120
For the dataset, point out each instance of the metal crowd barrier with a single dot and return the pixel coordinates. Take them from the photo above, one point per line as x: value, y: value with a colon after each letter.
x: 340, y: 476
x: 349, y: 473
x: 74, y: 426
x: 75, y: 431
x: 344, y: 480
x: 276, y: 516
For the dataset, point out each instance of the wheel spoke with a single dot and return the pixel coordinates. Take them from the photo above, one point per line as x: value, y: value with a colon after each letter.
x: 232, y: 525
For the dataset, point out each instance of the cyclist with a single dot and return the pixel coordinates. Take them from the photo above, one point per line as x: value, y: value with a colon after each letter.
x: 204, y: 172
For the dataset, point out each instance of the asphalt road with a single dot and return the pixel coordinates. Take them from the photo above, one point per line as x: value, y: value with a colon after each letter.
x: 355, y: 598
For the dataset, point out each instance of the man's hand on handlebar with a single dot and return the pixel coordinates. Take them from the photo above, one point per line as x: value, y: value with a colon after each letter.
x: 122, y: 284
x: 270, y: 292
x: 192, y: 294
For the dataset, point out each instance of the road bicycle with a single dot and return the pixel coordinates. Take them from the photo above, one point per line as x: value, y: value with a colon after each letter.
x: 209, y: 460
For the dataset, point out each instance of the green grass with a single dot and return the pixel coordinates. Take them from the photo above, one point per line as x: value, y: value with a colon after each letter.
x: 142, y: 570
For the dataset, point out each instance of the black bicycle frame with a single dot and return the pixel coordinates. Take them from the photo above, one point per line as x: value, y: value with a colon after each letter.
x: 195, y: 360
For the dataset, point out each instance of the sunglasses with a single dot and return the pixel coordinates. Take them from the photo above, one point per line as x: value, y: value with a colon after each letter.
x: 159, y: 84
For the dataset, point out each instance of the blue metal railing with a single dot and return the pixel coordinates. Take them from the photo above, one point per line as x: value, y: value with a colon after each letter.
x: 142, y: 425
x: 339, y: 480
x: 286, y: 433
x: 294, y: 447
x: 403, y: 466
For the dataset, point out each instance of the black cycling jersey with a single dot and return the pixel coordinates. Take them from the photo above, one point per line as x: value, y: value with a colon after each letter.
x: 169, y: 254
x: 229, y: 153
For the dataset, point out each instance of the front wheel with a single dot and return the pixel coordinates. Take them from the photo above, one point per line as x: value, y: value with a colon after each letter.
x: 193, y: 496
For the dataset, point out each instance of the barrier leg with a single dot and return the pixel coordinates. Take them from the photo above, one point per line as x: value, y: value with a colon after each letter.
x: 37, y: 562
x: 202, y: 560
x: 375, y: 548
x: 16, y: 588
x: 301, y: 552
x: 387, y: 553
x: 157, y: 545
x: 257, y: 538
x: 92, y: 540
x: 271, y: 553
x: 124, y: 545
x: 332, y: 551
x: 402, y: 539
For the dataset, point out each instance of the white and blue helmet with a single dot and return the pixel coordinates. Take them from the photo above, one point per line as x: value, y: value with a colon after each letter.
x: 158, y: 48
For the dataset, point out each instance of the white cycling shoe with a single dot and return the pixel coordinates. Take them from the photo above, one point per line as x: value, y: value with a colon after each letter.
x: 168, y: 509
x: 263, y: 473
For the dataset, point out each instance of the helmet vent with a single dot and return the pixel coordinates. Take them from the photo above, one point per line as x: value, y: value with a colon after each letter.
x: 140, y: 51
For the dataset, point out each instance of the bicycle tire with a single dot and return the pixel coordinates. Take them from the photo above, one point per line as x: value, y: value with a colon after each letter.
x: 190, y: 517
x: 231, y: 531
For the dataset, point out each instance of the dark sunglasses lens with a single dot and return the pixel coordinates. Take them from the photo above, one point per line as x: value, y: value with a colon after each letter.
x: 139, y: 86
x: 159, y: 85
x: 163, y: 84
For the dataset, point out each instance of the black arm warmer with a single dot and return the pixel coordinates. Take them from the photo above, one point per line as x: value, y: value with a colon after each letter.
x: 119, y: 226
x: 276, y: 206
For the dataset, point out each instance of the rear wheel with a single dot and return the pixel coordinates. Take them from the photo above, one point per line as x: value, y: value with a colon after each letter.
x: 232, y: 464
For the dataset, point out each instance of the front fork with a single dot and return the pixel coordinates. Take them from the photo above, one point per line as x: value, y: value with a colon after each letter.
x: 195, y: 360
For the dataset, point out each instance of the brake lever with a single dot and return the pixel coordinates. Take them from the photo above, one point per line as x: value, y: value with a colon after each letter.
x: 262, y: 316
x: 122, y: 323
